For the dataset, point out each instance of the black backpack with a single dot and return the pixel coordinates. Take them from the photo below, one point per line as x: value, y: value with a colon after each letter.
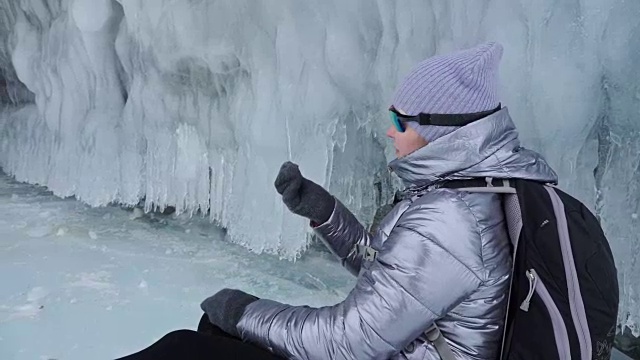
x: 563, y: 301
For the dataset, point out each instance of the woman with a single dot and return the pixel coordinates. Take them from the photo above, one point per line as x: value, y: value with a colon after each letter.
x: 440, y: 257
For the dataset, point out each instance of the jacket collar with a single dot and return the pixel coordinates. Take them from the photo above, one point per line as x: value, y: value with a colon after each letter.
x: 485, y: 148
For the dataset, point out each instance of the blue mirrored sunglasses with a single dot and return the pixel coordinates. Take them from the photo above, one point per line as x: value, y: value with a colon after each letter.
x: 397, y: 123
x: 399, y: 120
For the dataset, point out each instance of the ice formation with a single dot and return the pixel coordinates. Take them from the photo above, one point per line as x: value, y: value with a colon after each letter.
x: 195, y: 104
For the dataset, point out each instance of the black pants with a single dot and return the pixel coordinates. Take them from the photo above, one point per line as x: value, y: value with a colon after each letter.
x: 208, y: 343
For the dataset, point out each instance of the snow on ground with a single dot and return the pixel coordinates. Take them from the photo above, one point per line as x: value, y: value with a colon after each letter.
x: 83, y: 283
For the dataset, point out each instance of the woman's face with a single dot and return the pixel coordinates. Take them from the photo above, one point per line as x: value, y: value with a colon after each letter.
x: 405, y: 142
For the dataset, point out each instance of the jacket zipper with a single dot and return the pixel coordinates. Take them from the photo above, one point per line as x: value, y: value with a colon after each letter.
x: 559, y: 328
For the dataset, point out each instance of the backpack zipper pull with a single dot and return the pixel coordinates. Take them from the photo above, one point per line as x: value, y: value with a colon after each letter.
x: 533, y: 279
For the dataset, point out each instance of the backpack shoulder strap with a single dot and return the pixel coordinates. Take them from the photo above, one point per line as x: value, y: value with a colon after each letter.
x: 497, y: 186
x: 513, y: 215
x: 486, y: 185
x: 434, y: 335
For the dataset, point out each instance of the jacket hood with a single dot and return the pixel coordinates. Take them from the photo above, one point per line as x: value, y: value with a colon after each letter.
x: 485, y: 148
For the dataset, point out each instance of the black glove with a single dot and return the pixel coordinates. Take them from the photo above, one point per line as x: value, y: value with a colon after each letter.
x: 303, y: 196
x: 225, y: 308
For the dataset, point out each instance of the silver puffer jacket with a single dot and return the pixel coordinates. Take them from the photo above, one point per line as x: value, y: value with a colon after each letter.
x: 443, y: 257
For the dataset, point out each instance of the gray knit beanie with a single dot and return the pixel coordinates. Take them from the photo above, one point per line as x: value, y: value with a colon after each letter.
x: 458, y: 83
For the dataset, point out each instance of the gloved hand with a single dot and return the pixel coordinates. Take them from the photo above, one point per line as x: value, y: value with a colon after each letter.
x: 302, y: 196
x: 225, y: 308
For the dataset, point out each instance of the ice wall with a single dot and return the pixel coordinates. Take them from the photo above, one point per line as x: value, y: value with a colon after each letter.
x: 195, y: 104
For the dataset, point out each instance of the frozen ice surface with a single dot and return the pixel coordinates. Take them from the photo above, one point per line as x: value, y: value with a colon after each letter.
x: 195, y: 104
x: 67, y: 296
x: 64, y: 297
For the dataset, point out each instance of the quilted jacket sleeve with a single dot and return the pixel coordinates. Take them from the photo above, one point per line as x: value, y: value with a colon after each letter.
x: 414, y: 281
x: 340, y: 233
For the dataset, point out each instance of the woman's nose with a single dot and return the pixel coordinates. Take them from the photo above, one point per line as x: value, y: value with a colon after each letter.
x: 391, y: 132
